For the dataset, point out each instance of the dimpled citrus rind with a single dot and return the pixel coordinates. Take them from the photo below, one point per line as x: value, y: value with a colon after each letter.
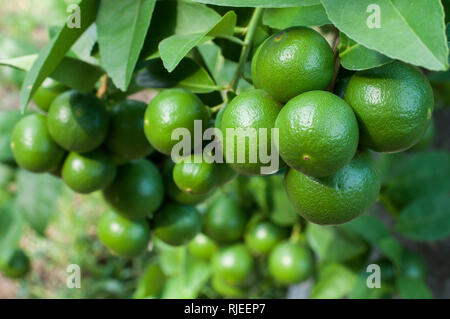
x: 247, y: 113
x: 318, y: 133
x: 89, y: 172
x: 126, y: 238
x: 78, y: 122
x: 169, y: 110
x: 138, y: 191
x: 126, y: 138
x: 338, y: 198
x: 293, y: 61
x: 33, y: 147
x: 393, y: 104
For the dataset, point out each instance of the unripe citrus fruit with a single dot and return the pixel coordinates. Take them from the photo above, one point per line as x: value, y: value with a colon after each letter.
x: 337, y: 198
x: 124, y: 237
x: 169, y: 110
x: 33, y: 147
x: 138, y: 191
x: 88, y: 172
x: 293, y: 61
x: 318, y: 133
x: 291, y: 263
x: 126, y: 138
x: 427, y: 139
x: 263, y: 236
x: 78, y: 122
x: 233, y: 264
x: 202, y: 246
x: 224, y: 220
x: 195, y: 175
x: 251, y: 114
x: 393, y: 104
x: 177, y: 224
x: 17, y: 266
x: 47, y: 93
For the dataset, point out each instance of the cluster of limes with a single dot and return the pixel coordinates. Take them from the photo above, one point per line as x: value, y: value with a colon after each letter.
x: 323, y: 145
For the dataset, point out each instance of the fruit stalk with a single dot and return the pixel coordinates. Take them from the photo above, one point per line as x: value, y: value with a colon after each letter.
x: 246, y: 47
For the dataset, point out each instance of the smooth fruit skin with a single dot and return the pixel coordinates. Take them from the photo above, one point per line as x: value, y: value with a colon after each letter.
x: 202, y: 246
x: 195, y: 175
x: 338, y: 198
x: 176, y: 224
x: 89, y: 172
x: 17, y: 266
x: 393, y: 104
x: 224, y: 220
x: 233, y: 264
x: 263, y: 236
x: 293, y: 61
x: 138, y: 191
x: 124, y: 237
x: 318, y: 133
x: 175, y: 193
x: 291, y: 263
x: 47, y: 93
x: 78, y: 122
x: 33, y: 147
x: 126, y: 138
x: 427, y: 139
x: 253, y: 110
x: 169, y: 110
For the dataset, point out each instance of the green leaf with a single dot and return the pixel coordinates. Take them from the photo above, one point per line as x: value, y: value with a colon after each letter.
x: 260, y: 3
x: 282, y: 18
x: 52, y: 54
x: 361, y: 291
x: 188, y: 75
x: 122, y: 26
x: 151, y: 283
x: 415, y: 175
x: 72, y: 72
x: 335, y: 281
x: 411, y: 31
x: 11, y: 228
x: 413, y: 288
x: 332, y: 243
x: 375, y: 232
x: 8, y: 120
x: 426, y: 219
x: 355, y: 56
x: 175, y: 48
x: 37, y: 198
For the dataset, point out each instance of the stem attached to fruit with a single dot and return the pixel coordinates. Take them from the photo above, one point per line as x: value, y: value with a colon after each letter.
x: 246, y: 48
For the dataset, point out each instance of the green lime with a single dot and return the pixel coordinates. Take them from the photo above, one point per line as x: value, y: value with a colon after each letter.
x: 47, y: 93
x: 126, y: 138
x: 318, y: 133
x: 251, y: 115
x: 126, y: 238
x: 263, y: 236
x: 337, y: 198
x: 234, y: 264
x: 78, y: 122
x: 202, y: 246
x: 225, y: 289
x: 291, y: 263
x: 176, y: 224
x: 17, y: 266
x: 195, y: 174
x: 89, y: 172
x: 138, y: 191
x: 293, y: 61
x: 224, y: 220
x: 169, y: 110
x: 176, y: 194
x: 393, y: 104
x: 33, y: 147
x: 427, y: 139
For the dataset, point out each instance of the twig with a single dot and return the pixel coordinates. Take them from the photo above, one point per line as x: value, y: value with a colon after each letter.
x: 103, y: 87
x: 337, y: 61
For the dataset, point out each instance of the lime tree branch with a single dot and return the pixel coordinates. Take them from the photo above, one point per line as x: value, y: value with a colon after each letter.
x: 246, y: 48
